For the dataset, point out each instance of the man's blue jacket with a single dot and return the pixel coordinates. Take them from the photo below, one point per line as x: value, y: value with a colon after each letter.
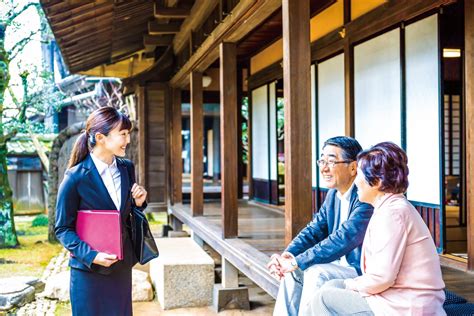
x: 322, y: 241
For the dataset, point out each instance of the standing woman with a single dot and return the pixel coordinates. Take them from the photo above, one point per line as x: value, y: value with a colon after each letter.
x: 98, y: 179
x: 401, y: 273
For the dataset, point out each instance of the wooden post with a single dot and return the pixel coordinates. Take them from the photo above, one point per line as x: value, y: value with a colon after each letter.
x: 142, y: 134
x: 229, y: 168
x: 349, y: 88
x: 197, y: 135
x: 348, y: 76
x: 296, y: 77
x: 469, y: 91
x: 176, y: 148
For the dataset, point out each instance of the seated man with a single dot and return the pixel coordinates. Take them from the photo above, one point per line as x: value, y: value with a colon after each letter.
x: 330, y: 245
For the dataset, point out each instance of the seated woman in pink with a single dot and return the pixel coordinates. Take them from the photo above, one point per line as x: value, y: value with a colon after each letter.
x: 400, y: 266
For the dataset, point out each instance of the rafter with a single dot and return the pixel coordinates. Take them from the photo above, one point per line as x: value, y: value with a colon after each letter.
x: 171, y: 13
x: 155, y: 28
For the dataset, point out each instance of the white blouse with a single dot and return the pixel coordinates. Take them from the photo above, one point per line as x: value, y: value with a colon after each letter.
x: 110, y: 175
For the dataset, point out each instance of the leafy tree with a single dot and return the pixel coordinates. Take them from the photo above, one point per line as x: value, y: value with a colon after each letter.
x: 19, y: 115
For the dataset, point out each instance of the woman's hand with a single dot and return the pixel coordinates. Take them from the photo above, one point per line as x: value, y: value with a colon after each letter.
x: 104, y: 259
x: 139, y: 194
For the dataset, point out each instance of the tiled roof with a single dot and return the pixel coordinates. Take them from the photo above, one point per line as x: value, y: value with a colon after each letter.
x: 23, y: 145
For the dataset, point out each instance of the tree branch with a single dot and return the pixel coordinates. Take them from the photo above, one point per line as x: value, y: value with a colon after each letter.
x: 14, y: 98
x: 18, y: 47
x: 13, y: 15
x: 39, y: 150
x: 10, y: 135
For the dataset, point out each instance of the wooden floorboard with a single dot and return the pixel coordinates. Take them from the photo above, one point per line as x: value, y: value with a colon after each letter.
x: 459, y: 282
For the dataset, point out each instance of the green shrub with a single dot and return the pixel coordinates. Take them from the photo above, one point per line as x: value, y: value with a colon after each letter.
x: 40, y: 220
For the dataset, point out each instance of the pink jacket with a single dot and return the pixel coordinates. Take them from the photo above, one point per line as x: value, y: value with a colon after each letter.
x: 399, y: 262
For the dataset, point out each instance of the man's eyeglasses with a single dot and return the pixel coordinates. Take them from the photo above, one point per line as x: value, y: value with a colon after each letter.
x: 331, y: 163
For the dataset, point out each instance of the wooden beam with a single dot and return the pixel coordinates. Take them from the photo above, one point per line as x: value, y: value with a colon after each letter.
x: 176, y: 148
x: 155, y: 28
x: 469, y: 90
x: 296, y: 64
x: 171, y: 13
x: 141, y: 107
x: 197, y: 135
x: 157, y: 40
x: 229, y: 168
x: 349, y: 89
x: 199, y: 12
x: 246, y: 15
x: 266, y: 75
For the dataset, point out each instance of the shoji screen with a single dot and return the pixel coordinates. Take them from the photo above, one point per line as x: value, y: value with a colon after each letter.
x: 260, y: 131
x: 273, y: 130
x: 422, y: 110
x: 330, y: 100
x: 314, y: 150
x: 377, y: 90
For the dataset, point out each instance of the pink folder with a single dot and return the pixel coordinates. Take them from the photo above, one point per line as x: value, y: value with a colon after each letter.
x: 101, y: 229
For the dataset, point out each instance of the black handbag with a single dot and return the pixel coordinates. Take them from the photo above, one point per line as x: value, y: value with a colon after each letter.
x: 142, y: 239
x: 143, y: 242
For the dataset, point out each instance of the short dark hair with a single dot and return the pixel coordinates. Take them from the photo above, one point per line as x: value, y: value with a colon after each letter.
x: 350, y: 147
x: 386, y: 163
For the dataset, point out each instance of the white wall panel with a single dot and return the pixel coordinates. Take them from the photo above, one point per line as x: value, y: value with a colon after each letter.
x: 273, y: 130
x: 330, y: 96
x: 314, y: 150
x: 377, y: 90
x: 422, y: 110
x: 260, y: 133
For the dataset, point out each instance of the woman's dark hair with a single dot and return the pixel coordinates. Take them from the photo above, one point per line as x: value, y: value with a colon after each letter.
x: 385, y: 163
x: 101, y: 121
x: 350, y: 147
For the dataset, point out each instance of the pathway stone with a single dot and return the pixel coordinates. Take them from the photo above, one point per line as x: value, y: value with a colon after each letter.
x: 15, y: 293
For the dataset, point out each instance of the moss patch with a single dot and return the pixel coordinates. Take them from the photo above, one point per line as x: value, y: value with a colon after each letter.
x: 63, y: 309
x: 33, y: 254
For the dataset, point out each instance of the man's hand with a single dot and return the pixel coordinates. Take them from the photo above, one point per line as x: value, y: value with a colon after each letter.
x: 274, y: 266
x: 104, y: 259
x: 287, y: 264
x: 139, y: 194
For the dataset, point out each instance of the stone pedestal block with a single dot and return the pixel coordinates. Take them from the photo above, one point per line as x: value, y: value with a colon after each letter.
x: 176, y: 234
x: 183, y: 274
x: 230, y: 298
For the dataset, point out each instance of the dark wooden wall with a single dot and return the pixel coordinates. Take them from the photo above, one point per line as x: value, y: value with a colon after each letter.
x: 156, y: 145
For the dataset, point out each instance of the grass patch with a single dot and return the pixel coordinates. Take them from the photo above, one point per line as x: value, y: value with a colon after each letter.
x: 63, y: 309
x: 33, y: 254
x: 156, y: 220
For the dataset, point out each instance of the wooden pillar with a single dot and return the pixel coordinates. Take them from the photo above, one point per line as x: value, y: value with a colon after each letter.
x: 176, y: 148
x: 296, y: 77
x: 469, y: 91
x: 197, y: 135
x: 348, y: 77
x: 142, y: 135
x: 349, y: 89
x: 229, y: 168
